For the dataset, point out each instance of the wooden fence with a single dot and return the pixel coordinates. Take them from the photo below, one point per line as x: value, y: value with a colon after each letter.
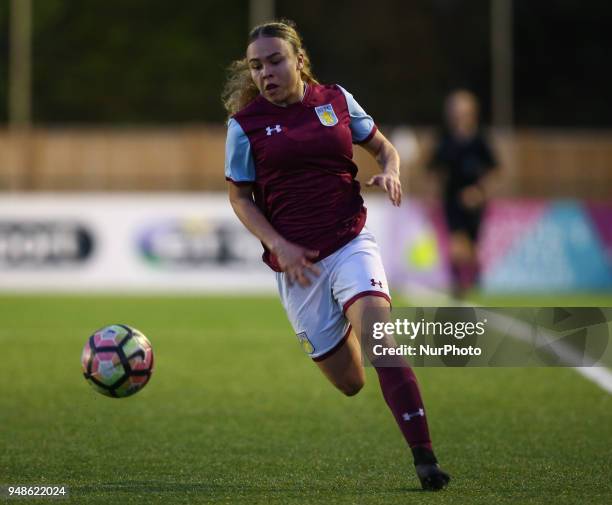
x: 536, y: 163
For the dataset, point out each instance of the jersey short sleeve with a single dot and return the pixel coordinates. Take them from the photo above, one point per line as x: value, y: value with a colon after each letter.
x: 239, y: 163
x: 362, y: 125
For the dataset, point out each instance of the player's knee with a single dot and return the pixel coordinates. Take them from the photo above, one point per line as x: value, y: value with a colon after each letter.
x: 352, y: 387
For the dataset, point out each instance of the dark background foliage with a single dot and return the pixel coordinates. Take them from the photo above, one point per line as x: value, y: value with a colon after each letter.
x: 154, y: 61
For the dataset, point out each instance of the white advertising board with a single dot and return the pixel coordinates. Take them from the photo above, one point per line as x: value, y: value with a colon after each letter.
x: 158, y: 243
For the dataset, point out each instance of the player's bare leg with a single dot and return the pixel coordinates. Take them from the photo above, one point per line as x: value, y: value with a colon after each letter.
x: 398, y: 383
x: 344, y: 368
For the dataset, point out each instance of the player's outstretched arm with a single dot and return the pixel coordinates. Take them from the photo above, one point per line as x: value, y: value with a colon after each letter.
x: 387, y: 157
x: 294, y: 260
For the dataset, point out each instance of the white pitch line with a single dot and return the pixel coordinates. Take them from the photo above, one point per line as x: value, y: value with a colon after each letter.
x: 599, y: 375
x: 520, y: 330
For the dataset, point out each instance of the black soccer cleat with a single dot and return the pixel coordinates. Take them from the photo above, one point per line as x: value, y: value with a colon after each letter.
x: 432, y: 477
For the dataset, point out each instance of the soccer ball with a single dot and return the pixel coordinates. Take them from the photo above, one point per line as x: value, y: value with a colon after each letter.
x: 117, y: 360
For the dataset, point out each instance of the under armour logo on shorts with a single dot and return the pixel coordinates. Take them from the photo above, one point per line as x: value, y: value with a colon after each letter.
x: 376, y: 283
x: 276, y: 129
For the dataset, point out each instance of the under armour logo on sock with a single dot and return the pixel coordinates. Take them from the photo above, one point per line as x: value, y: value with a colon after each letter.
x: 376, y: 283
x: 407, y: 416
x: 276, y: 129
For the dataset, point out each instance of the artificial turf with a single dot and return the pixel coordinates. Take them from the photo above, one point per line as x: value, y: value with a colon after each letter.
x: 235, y: 413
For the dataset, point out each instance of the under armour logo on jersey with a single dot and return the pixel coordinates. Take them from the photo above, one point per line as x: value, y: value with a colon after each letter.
x: 407, y: 416
x: 376, y: 283
x: 276, y: 129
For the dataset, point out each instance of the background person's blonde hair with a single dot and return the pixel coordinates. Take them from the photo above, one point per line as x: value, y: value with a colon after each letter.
x: 239, y: 88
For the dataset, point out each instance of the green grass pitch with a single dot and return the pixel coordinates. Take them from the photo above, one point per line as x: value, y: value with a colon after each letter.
x: 235, y: 413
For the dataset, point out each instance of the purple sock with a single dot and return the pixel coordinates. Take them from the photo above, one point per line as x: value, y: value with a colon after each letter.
x: 465, y: 275
x: 401, y: 392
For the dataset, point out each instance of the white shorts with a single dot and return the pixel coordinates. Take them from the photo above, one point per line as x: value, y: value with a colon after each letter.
x: 316, y: 312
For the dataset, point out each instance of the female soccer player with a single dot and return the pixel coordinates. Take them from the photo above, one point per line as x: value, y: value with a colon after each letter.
x: 292, y: 184
x: 463, y: 162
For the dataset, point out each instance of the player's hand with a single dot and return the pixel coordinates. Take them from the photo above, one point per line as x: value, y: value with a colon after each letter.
x: 295, y: 260
x: 472, y: 197
x: 391, y: 184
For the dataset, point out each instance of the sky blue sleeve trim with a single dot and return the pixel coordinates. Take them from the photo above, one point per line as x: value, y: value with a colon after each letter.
x: 362, y: 124
x: 239, y: 163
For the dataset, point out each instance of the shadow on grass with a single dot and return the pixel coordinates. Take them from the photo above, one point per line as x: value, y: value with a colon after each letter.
x: 209, y: 488
x: 155, y: 487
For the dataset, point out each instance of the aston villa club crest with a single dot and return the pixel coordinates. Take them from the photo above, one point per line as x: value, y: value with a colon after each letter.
x: 326, y: 114
x: 305, y: 342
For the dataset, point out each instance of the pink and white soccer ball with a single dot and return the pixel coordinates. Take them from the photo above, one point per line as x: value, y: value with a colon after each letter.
x: 117, y: 360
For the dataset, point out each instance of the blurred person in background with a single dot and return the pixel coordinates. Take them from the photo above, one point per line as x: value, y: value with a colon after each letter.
x: 289, y: 163
x: 462, y: 166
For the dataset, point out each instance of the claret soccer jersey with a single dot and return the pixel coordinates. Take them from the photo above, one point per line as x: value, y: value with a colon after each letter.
x: 299, y: 161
